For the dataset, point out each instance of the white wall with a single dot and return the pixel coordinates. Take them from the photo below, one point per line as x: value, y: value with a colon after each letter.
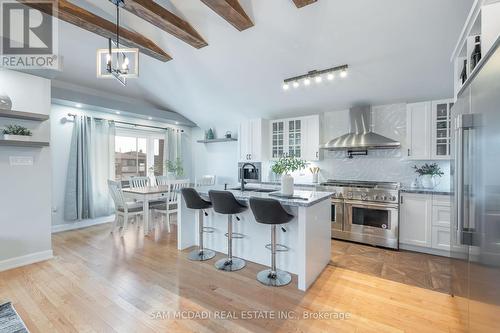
x: 61, y: 132
x: 25, y: 198
x: 220, y: 159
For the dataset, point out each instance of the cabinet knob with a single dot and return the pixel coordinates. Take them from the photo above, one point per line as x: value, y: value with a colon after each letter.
x: 408, y: 152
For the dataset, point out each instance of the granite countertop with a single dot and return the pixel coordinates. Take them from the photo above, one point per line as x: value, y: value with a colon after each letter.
x: 419, y: 190
x: 307, y: 197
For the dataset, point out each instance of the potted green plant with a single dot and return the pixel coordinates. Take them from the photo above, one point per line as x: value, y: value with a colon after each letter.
x: 174, y: 168
x: 428, y: 174
x: 284, y: 167
x: 16, y: 132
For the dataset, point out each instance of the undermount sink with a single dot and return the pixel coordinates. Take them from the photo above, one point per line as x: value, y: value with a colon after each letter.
x: 250, y: 189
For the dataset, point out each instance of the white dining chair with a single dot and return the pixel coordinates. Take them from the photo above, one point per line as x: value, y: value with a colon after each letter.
x: 207, y: 180
x: 136, y: 182
x: 163, y: 180
x: 123, y: 210
x: 169, y: 206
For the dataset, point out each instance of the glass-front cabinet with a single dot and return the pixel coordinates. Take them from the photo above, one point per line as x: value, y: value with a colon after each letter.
x: 441, y: 129
x: 294, y: 138
x: 297, y: 137
x: 278, y: 139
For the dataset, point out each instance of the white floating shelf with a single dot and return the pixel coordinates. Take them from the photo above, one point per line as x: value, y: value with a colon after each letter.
x: 217, y: 140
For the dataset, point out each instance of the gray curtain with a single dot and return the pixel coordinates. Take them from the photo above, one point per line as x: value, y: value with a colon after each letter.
x: 91, y: 164
x: 173, y: 147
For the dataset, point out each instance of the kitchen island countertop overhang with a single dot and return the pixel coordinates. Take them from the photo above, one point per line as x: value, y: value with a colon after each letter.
x: 308, y: 235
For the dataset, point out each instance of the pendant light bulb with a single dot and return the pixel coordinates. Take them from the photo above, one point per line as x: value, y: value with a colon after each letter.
x: 307, y: 81
x: 296, y: 84
x: 330, y: 76
x: 286, y: 86
x: 343, y: 73
x: 318, y: 79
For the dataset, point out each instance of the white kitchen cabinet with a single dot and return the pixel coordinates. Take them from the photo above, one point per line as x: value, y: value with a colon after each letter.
x: 418, y: 130
x: 441, y: 129
x: 425, y: 223
x: 415, y: 220
x: 311, y: 137
x: 297, y: 137
x: 252, y: 137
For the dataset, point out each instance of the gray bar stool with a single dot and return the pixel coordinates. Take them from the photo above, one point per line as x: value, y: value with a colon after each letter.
x: 225, y: 203
x: 194, y: 201
x: 270, y: 211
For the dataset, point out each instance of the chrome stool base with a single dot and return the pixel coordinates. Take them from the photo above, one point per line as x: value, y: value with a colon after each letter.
x: 203, y: 255
x: 274, y: 279
x: 230, y: 265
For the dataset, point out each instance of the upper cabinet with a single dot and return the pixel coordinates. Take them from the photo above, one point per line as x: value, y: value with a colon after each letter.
x: 441, y: 129
x: 429, y: 130
x: 479, y: 34
x: 252, y: 138
x: 297, y: 137
x: 418, y: 130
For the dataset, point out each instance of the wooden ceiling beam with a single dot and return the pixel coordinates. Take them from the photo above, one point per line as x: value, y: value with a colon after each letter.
x: 231, y: 11
x: 84, y: 19
x: 302, y: 3
x: 165, y: 20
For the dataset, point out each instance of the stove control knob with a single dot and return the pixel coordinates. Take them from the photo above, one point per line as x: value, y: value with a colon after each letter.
x: 384, y: 198
x: 376, y: 197
x: 393, y: 198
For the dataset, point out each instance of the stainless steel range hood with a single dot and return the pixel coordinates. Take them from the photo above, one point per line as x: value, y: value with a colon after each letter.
x: 360, y: 137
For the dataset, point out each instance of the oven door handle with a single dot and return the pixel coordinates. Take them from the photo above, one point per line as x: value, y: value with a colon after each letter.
x: 364, y: 204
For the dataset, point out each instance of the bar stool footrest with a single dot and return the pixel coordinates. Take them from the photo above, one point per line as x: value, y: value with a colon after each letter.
x: 236, y: 235
x: 209, y: 230
x: 279, y: 248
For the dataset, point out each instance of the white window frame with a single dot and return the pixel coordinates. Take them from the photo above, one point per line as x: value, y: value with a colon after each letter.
x: 150, y: 136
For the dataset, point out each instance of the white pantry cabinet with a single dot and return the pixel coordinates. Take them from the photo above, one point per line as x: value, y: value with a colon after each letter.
x: 252, y: 137
x: 428, y: 130
x: 425, y: 223
x: 297, y: 137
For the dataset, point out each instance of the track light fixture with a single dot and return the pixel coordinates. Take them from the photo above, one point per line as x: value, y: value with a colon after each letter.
x: 317, y: 75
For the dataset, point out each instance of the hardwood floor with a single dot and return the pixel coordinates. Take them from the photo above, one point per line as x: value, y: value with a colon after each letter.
x: 102, y: 283
x: 417, y: 269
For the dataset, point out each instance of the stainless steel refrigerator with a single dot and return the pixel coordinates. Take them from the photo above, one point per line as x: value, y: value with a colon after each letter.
x: 475, y: 227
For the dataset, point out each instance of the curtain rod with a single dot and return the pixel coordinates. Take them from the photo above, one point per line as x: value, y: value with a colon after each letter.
x: 126, y: 123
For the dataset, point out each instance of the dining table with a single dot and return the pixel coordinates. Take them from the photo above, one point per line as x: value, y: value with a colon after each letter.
x: 145, y: 195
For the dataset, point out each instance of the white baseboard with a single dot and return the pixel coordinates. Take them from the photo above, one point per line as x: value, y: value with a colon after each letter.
x: 423, y: 249
x: 25, y: 260
x: 82, y: 224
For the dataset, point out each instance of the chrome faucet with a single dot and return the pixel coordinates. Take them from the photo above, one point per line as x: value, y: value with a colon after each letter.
x: 242, y: 171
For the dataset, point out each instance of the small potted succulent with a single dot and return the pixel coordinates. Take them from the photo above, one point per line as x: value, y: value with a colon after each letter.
x: 16, y: 132
x: 284, y: 167
x: 428, y: 174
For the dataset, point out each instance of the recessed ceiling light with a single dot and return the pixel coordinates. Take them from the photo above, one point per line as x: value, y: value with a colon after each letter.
x: 150, y: 118
x: 286, y: 86
x: 78, y: 105
x: 177, y: 123
x: 117, y: 112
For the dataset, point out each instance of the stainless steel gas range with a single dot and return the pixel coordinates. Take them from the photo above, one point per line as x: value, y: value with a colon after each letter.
x: 365, y: 212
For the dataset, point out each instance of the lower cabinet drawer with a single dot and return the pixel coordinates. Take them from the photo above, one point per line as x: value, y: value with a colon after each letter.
x: 441, y: 238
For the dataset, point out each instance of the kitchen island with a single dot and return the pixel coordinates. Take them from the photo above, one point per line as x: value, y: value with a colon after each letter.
x: 308, y: 235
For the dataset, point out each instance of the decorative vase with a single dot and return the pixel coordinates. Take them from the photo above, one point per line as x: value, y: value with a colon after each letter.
x: 5, y: 101
x: 315, y: 178
x: 17, y: 137
x: 286, y: 184
x: 428, y: 181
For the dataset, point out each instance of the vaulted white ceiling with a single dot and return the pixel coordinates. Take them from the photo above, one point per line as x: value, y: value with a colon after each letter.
x: 397, y: 50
